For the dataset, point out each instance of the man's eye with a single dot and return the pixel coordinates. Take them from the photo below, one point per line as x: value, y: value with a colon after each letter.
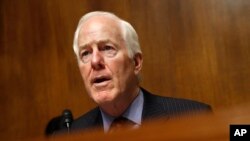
x: 85, y: 53
x: 107, y: 48
x: 109, y: 51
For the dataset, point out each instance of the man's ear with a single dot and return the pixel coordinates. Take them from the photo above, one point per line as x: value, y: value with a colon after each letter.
x: 138, y: 62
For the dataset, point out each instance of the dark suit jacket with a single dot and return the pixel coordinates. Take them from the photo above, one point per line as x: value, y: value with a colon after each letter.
x: 154, y: 107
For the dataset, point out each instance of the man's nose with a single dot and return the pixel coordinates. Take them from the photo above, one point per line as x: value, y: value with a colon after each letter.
x: 97, y: 61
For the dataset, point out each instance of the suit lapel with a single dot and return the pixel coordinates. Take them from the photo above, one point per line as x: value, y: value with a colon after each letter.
x: 97, y: 121
x: 152, y: 106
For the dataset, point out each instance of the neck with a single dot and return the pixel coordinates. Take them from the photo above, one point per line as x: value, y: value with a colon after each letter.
x: 119, y: 106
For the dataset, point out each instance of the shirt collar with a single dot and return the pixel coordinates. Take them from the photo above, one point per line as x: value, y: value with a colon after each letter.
x: 133, y: 112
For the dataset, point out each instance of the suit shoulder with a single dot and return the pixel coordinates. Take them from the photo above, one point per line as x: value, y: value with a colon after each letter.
x: 88, y: 120
x: 185, y: 104
x: 155, y: 104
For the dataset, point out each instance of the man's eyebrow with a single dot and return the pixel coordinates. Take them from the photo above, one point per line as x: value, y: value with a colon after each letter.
x: 97, y: 42
x: 108, y: 41
x: 105, y: 41
x: 83, y: 46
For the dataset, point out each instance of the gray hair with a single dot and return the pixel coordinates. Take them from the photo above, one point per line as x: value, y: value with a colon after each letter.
x: 128, y: 32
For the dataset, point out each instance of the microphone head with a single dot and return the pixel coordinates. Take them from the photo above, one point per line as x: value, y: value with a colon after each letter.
x: 67, y: 117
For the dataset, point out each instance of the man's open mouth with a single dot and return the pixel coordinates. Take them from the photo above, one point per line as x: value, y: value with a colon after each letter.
x: 100, y: 79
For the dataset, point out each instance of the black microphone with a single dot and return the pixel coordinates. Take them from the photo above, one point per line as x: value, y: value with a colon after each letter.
x: 67, y: 118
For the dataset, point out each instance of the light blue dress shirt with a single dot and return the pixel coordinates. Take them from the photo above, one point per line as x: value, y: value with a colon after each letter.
x: 133, y: 113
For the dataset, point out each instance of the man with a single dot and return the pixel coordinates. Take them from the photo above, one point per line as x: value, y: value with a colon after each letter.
x: 110, y: 60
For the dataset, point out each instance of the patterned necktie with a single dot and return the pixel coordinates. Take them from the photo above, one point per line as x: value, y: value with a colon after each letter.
x: 121, y: 123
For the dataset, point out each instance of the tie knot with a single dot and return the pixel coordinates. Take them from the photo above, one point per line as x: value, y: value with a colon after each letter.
x: 120, y: 120
x: 121, y: 123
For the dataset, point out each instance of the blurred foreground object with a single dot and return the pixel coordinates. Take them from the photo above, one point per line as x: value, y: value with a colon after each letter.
x: 204, y: 127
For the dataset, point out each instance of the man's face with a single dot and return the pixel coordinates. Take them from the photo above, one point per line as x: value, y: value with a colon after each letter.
x: 108, y: 73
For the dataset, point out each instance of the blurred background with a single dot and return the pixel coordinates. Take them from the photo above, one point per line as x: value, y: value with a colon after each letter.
x: 195, y: 49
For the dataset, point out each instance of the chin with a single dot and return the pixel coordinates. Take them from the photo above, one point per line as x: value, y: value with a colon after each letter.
x: 103, y: 97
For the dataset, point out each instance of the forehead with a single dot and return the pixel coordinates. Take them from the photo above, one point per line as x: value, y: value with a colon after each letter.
x: 99, y: 28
